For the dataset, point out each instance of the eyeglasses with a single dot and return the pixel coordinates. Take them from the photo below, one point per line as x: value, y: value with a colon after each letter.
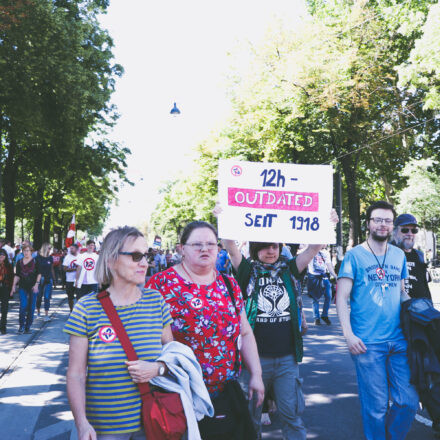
x: 379, y: 221
x: 135, y: 256
x: 199, y: 246
x: 406, y: 230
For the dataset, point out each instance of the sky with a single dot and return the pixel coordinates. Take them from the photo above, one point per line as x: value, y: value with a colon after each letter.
x: 175, y: 51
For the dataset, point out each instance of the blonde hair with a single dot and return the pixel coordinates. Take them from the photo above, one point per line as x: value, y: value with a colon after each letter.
x: 111, y: 246
x: 45, y: 249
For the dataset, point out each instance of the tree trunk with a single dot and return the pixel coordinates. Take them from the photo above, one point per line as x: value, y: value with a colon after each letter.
x: 349, y: 170
x: 46, y: 228
x: 38, y: 219
x: 10, y: 189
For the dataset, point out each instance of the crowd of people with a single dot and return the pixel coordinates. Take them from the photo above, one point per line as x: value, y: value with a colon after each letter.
x: 223, y: 325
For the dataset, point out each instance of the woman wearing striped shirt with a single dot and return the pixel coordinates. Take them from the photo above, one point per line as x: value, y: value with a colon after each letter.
x: 101, y: 383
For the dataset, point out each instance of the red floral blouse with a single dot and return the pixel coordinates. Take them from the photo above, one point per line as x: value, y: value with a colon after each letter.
x: 206, y: 320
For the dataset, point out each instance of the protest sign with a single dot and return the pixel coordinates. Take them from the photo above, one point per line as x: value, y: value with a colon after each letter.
x: 275, y: 202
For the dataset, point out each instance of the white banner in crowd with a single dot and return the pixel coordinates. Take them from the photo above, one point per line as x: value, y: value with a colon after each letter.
x: 275, y: 202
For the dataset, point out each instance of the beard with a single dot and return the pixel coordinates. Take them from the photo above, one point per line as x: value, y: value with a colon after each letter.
x: 405, y: 243
x: 377, y: 237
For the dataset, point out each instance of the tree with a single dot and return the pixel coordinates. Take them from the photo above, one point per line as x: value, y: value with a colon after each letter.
x: 56, y: 80
x: 421, y: 196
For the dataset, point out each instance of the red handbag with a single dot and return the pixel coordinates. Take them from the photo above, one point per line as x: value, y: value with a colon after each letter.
x: 162, y: 411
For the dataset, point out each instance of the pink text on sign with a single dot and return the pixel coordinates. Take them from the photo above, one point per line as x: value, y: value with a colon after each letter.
x: 281, y: 200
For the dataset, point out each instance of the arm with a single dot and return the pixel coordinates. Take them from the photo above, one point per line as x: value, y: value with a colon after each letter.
x: 251, y: 360
x: 14, y: 284
x: 403, y: 295
x: 233, y: 252
x: 305, y: 257
x: 144, y: 371
x: 78, y: 273
x: 76, y: 386
x: 355, y: 344
x: 331, y: 269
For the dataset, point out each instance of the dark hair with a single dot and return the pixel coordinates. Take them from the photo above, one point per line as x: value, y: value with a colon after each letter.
x: 256, y: 246
x: 74, y: 245
x: 381, y: 204
x: 190, y: 227
x: 6, y: 263
x: 90, y: 242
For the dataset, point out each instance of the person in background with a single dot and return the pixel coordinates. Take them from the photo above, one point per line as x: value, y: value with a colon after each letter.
x: 45, y: 266
x: 274, y: 309
x: 6, y: 245
x: 57, y: 256
x: 6, y: 276
x: 318, y: 284
x: 27, y: 276
x: 69, y: 267
x: 404, y: 234
x: 85, y: 279
x: 222, y: 263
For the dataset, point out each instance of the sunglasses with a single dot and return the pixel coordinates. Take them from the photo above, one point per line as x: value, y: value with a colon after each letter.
x: 135, y: 256
x: 406, y: 230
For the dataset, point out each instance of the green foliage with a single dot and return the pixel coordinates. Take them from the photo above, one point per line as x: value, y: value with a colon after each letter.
x: 326, y: 92
x: 56, y: 80
x: 421, y: 197
x: 422, y: 69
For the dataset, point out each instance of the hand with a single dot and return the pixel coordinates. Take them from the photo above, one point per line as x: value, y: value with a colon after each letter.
x: 86, y: 431
x: 217, y: 210
x: 334, y: 216
x: 12, y: 292
x: 142, y: 371
x: 35, y: 288
x: 256, y: 386
x: 355, y: 345
x: 304, y: 326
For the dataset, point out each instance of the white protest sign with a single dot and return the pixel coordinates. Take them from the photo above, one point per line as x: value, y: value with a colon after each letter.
x: 275, y: 202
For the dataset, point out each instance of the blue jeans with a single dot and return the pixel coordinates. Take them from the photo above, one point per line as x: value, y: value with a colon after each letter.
x: 27, y: 307
x: 45, y: 291
x: 381, y: 371
x: 327, y: 298
x: 282, y: 375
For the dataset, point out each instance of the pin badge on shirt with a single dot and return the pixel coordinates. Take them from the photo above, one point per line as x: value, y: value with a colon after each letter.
x: 107, y: 334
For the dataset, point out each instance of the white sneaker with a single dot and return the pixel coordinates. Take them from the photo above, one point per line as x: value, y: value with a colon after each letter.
x: 46, y: 319
x: 265, y: 419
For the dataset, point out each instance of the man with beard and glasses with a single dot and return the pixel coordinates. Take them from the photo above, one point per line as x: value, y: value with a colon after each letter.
x: 372, y: 277
x: 404, y: 234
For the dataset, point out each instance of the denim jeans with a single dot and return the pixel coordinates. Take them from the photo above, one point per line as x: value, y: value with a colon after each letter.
x: 282, y: 375
x: 327, y: 298
x: 45, y: 291
x: 28, y: 300
x: 383, y: 371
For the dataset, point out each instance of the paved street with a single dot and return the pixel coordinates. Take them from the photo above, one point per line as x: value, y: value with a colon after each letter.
x: 33, y: 402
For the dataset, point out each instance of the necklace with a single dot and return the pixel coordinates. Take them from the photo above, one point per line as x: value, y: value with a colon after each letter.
x: 189, y: 276
x: 380, y: 271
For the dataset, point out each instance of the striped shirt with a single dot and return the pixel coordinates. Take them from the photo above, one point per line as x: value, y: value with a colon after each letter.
x: 113, y: 403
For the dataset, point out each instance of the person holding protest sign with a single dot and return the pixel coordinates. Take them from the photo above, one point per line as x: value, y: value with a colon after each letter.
x: 273, y: 306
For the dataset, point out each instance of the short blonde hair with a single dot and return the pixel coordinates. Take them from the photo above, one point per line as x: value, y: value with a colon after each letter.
x: 111, y: 246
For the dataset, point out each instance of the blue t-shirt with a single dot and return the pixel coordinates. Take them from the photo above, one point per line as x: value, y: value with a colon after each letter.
x: 375, y: 310
x: 222, y: 259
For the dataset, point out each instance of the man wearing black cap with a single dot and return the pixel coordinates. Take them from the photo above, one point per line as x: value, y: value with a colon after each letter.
x: 404, y: 234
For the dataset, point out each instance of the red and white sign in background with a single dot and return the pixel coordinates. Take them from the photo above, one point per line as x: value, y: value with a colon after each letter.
x: 275, y: 202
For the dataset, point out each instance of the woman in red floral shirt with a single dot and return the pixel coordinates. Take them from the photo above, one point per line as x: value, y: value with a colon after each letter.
x: 205, y: 317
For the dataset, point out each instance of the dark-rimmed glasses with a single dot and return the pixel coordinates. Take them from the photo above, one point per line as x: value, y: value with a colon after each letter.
x: 135, y: 256
x: 199, y: 246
